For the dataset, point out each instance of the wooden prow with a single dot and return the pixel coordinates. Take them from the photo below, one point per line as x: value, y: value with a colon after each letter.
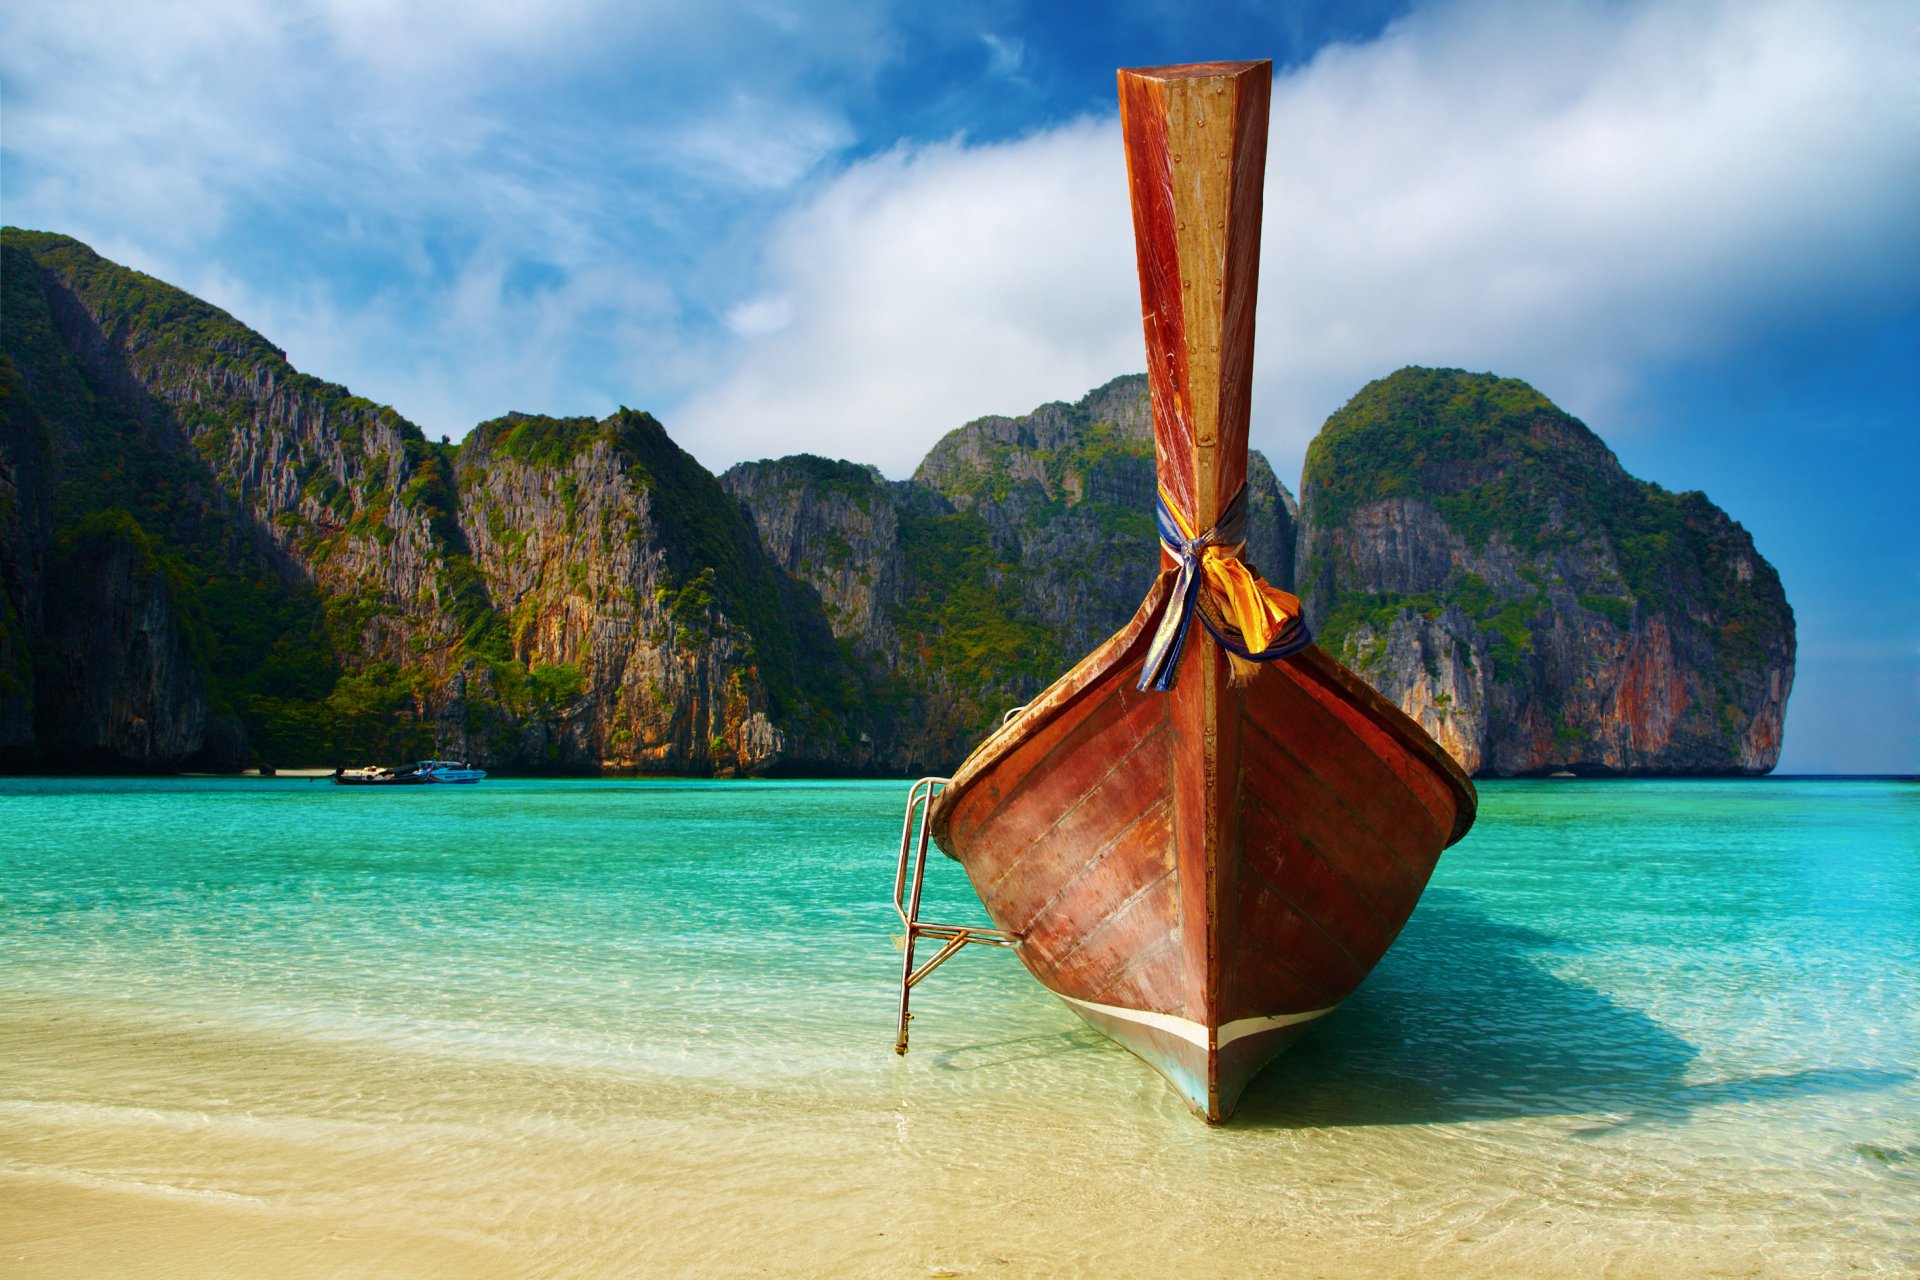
x: 1196, y: 142
x: 1201, y: 867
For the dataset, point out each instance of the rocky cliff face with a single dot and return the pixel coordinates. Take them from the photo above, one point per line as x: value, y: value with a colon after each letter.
x: 592, y: 601
x: 656, y: 633
x: 208, y: 558
x: 26, y: 534
x: 123, y: 684
x: 1068, y: 491
x: 1016, y: 548
x: 1484, y: 561
x: 833, y: 526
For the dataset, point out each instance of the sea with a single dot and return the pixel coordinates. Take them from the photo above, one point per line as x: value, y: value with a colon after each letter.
x: 273, y: 1027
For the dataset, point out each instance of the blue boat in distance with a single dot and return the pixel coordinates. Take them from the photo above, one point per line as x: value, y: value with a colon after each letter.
x: 419, y: 773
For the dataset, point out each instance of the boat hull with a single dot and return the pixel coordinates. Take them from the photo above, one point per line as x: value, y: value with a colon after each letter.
x: 1204, y: 867
x: 1202, y: 874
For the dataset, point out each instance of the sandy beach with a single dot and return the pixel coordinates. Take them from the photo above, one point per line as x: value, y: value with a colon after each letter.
x: 139, y: 1146
x: 273, y: 1029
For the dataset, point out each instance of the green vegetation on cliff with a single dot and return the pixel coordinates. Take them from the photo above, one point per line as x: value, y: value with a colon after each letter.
x: 862, y: 486
x: 146, y: 389
x: 263, y: 640
x: 1465, y: 515
x: 963, y: 616
x: 1495, y: 458
x: 536, y: 441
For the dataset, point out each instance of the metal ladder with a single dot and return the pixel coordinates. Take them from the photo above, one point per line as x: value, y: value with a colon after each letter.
x: 914, y: 837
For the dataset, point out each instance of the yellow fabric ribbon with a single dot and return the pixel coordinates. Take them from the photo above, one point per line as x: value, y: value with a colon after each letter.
x: 1256, y: 608
x: 1252, y: 620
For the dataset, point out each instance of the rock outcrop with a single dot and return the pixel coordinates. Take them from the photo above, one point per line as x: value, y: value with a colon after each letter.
x: 655, y: 633
x: 1483, y: 559
x: 123, y: 682
x: 1017, y: 547
x: 209, y: 558
x: 547, y: 596
x: 26, y: 534
x: 1068, y: 493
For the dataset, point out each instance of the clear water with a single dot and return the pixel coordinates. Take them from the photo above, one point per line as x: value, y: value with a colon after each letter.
x: 580, y: 1027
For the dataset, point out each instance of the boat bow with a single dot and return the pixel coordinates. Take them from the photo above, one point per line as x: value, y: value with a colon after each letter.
x: 1202, y: 845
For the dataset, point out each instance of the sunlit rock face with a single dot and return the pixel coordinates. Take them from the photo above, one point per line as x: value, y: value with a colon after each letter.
x: 635, y: 589
x: 208, y: 558
x: 328, y: 585
x: 1018, y: 546
x: 1484, y: 560
x: 565, y: 595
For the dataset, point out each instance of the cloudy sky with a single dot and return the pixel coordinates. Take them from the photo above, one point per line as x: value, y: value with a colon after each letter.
x: 847, y: 226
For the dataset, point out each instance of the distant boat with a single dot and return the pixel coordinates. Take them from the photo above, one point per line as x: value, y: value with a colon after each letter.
x: 1201, y: 838
x: 420, y: 773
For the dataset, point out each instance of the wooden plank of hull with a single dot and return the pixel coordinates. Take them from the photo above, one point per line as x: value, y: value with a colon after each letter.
x: 1203, y: 903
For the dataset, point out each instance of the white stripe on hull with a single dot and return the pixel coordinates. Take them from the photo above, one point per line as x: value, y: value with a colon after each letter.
x: 1193, y: 1032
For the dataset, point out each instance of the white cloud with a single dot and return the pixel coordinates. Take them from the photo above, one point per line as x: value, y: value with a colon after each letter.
x: 929, y: 285
x: 362, y: 178
x: 1567, y: 194
x: 758, y: 316
x: 757, y: 143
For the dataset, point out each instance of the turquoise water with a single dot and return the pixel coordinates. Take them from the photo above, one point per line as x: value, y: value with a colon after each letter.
x: 1678, y: 1012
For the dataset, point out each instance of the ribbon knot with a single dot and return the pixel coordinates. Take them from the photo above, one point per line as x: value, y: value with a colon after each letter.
x: 1251, y: 619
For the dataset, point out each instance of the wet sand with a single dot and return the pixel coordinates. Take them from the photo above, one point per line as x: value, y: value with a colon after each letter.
x: 139, y: 1144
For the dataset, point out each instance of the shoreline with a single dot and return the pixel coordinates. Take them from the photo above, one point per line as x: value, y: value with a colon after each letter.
x: 646, y: 1028
x: 134, y: 1141
x: 323, y: 772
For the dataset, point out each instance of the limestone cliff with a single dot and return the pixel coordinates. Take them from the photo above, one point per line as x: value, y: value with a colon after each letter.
x: 656, y: 633
x: 26, y: 532
x: 209, y: 558
x: 123, y: 683
x: 361, y: 590
x: 834, y: 526
x: 1067, y: 492
x: 1483, y: 559
x: 1017, y: 547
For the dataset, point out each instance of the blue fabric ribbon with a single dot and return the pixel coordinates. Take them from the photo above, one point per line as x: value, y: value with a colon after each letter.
x: 1170, y: 638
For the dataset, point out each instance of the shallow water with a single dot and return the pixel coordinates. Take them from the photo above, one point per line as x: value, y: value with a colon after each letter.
x: 277, y: 1027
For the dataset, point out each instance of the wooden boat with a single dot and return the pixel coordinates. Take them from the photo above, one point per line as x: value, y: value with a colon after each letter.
x: 1203, y: 870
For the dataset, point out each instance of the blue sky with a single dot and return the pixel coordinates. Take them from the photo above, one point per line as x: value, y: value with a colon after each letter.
x: 848, y: 227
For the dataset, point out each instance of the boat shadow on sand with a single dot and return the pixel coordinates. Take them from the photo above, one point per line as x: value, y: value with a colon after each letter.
x: 1460, y: 1022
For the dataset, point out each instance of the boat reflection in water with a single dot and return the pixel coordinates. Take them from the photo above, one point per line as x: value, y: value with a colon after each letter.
x: 1201, y: 838
x: 419, y: 773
